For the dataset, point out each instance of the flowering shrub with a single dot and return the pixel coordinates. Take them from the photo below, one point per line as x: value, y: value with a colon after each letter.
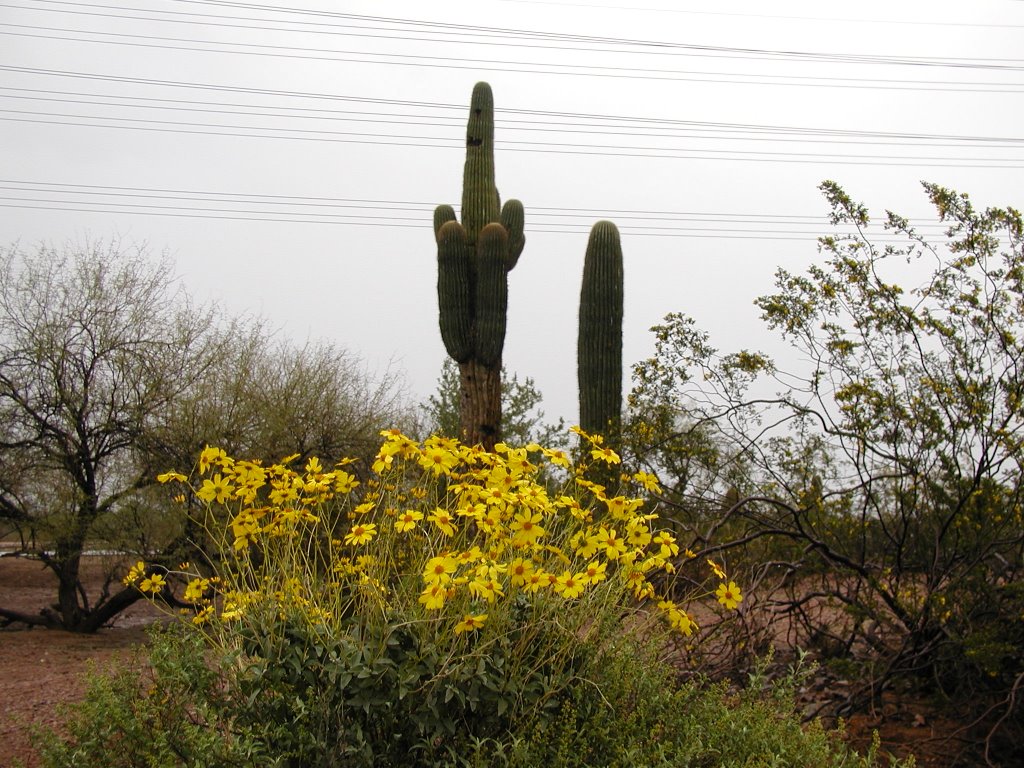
x: 454, y: 595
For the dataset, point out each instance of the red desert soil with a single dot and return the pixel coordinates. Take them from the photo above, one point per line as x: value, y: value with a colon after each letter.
x: 40, y: 669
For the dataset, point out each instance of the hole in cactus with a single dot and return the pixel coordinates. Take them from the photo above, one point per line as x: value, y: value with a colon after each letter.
x: 473, y: 142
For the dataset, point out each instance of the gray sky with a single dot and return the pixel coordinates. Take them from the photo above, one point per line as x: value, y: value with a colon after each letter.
x: 289, y: 156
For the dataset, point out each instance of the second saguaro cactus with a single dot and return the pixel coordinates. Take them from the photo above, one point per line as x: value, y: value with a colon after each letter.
x: 473, y: 261
x: 599, y: 347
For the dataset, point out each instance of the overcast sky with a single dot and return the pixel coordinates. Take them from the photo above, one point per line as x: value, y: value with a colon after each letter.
x: 289, y: 156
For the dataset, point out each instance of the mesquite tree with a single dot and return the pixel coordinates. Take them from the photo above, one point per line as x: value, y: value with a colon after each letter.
x: 886, y: 473
x: 109, y: 375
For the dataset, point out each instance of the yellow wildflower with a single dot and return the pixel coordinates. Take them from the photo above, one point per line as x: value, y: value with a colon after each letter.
x: 519, y: 571
x: 486, y: 588
x: 153, y: 584
x: 210, y: 456
x: 677, y: 618
x: 575, y: 508
x: 135, y: 573
x: 609, y: 541
x: 196, y: 590
x: 470, y: 555
x: 438, y: 570
x: 570, y: 585
x: 620, y: 507
x: 216, y: 490
x: 595, y: 572
x: 638, y: 535
x: 344, y: 482
x: 437, y: 457
x: 244, y: 526
x: 667, y: 543
x: 605, y: 454
x: 203, y: 616
x: 585, y: 546
x: 647, y: 481
x: 729, y: 595
x: 433, y: 597
x: 361, y: 533
x: 407, y: 520
x: 557, y: 457
x: 526, y: 528
x: 470, y: 623
x: 444, y: 521
x: 536, y: 580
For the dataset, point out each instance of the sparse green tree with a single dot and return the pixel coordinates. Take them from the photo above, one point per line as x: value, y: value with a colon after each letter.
x: 888, y: 471
x: 109, y: 375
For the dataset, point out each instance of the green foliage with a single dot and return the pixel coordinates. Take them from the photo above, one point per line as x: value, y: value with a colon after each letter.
x: 628, y: 711
x: 639, y: 716
x: 887, y: 474
x: 176, y: 713
x: 599, y: 348
x: 382, y: 695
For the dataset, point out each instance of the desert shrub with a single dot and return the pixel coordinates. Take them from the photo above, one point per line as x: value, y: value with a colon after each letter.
x: 449, y: 611
x: 644, y: 717
x: 446, y: 600
x: 176, y: 712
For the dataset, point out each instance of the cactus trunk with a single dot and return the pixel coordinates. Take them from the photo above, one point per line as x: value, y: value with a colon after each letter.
x: 480, y: 403
x: 599, y: 348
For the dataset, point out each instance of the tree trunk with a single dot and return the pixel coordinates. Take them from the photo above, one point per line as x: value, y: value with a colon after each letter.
x: 68, y: 589
x: 480, y: 414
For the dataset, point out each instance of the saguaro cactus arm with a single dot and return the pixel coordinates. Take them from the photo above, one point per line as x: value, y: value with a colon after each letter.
x: 512, y: 219
x: 455, y: 291
x: 491, y: 294
x: 442, y: 215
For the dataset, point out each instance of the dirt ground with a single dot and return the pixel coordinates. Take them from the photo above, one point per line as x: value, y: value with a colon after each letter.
x: 40, y: 669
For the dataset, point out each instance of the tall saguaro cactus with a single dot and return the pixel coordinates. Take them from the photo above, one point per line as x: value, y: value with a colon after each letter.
x: 599, y: 348
x: 473, y: 261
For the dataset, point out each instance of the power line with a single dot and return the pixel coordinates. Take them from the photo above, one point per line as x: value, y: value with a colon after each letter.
x: 774, y: 17
x: 588, y: 38
x: 555, y: 117
x: 368, y: 212
x: 548, y: 147
x: 607, y: 127
x: 716, y: 234
x: 190, y: 193
x: 521, y: 67
x: 493, y: 35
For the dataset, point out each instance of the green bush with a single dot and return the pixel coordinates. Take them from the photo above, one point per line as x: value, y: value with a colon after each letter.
x: 639, y: 716
x: 192, y: 709
x: 175, y: 713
